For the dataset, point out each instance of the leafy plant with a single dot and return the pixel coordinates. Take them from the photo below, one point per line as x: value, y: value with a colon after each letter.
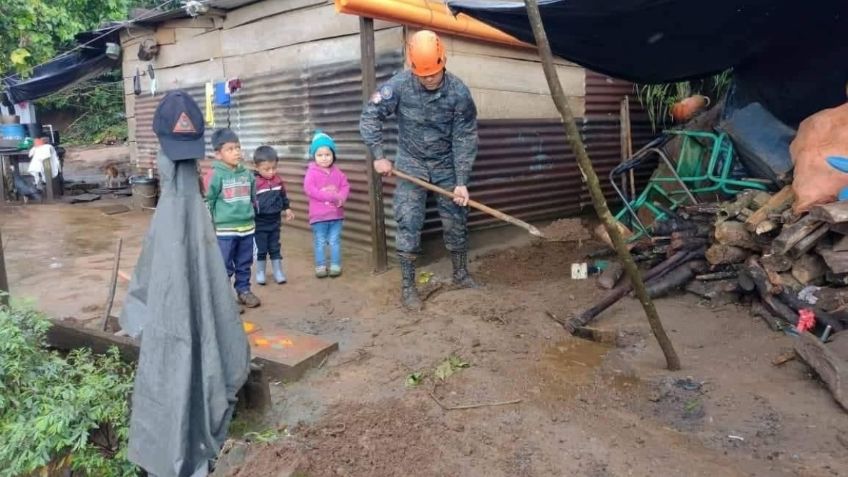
x: 98, y: 105
x: 413, y: 379
x: 657, y: 99
x: 449, y: 366
x: 57, y: 410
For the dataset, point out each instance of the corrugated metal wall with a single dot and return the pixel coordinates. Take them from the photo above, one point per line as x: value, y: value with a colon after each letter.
x: 524, y: 167
x: 283, y: 109
x: 602, y: 129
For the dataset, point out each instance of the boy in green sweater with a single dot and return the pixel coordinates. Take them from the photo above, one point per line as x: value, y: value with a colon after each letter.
x: 230, y: 195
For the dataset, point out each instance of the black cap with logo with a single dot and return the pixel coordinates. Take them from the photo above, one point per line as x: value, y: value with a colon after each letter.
x: 178, y: 123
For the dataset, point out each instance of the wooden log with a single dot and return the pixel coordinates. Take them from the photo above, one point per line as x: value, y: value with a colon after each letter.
x: 673, y: 280
x: 776, y: 263
x: 807, y: 243
x: 809, y: 269
x: 719, y: 292
x: 833, y: 213
x: 692, y: 233
x: 840, y: 228
x: 609, y: 277
x: 773, y: 322
x: 709, y: 277
x: 794, y: 233
x: 836, y: 261
x: 726, y: 255
x: 788, y: 282
x: 584, y: 317
x: 731, y: 232
x: 765, y: 227
x: 832, y: 369
x: 762, y: 285
x: 791, y: 300
x: 703, y: 209
x: 687, y: 243
x: 760, y: 199
x: 776, y: 204
x: 830, y: 299
x: 840, y: 245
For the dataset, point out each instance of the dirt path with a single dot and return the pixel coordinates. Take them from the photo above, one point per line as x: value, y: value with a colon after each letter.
x: 585, y: 410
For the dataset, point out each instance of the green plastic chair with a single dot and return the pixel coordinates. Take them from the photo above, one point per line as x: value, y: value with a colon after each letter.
x: 704, y: 166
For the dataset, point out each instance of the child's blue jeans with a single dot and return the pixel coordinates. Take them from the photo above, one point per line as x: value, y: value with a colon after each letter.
x: 323, y: 233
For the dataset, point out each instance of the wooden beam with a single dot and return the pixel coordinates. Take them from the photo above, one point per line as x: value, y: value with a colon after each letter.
x: 832, y: 369
x: 379, y: 253
x: 777, y: 204
x: 833, y: 213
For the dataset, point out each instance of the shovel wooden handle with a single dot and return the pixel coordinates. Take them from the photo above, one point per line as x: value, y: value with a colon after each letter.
x: 471, y: 203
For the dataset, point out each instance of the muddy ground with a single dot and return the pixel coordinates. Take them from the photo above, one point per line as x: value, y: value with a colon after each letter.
x: 585, y: 409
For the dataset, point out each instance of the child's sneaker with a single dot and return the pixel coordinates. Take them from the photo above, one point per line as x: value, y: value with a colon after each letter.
x: 321, y: 272
x: 248, y: 299
x: 335, y: 270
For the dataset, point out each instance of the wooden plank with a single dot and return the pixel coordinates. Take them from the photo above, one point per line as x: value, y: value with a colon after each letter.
x: 67, y: 336
x: 165, y: 36
x: 836, y: 261
x: 345, y: 48
x: 833, y: 213
x: 259, y: 10
x: 494, y: 104
x: 731, y: 232
x: 832, y: 369
x: 807, y: 243
x: 504, y: 74
x: 794, y: 233
x: 775, y: 205
x: 199, y: 48
x: 809, y: 269
x: 300, y: 26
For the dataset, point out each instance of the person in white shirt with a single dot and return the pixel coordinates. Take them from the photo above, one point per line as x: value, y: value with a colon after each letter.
x: 38, y: 155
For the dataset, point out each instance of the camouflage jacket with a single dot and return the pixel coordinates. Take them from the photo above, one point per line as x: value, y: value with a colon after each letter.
x: 437, y: 130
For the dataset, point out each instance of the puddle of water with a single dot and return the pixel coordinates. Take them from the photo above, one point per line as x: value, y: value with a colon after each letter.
x: 568, y: 364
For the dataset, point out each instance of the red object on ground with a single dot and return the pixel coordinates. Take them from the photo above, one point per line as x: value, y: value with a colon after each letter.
x: 806, y: 320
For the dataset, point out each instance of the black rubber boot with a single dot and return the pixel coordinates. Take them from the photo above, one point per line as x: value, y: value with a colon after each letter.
x: 409, y: 292
x: 461, y: 278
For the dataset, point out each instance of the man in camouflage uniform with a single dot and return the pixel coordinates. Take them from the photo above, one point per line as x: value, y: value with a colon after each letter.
x: 437, y: 142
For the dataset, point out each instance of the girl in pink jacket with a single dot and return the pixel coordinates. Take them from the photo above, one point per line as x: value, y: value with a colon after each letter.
x: 327, y: 188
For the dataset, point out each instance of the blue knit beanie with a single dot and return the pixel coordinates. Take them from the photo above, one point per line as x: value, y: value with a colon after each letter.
x: 321, y: 139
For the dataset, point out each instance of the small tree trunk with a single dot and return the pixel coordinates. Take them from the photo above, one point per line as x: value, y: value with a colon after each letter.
x: 598, y: 200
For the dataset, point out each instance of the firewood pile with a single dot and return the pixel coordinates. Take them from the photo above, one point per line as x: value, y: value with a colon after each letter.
x: 753, y: 250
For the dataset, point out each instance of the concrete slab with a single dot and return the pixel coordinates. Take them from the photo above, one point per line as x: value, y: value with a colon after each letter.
x: 287, y: 354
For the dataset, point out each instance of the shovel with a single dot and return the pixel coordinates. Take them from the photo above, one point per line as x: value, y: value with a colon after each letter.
x: 471, y: 203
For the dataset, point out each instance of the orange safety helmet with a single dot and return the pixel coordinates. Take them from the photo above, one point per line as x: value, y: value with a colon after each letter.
x: 426, y: 53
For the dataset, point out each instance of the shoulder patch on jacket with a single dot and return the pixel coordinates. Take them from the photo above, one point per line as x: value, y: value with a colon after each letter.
x: 386, y: 92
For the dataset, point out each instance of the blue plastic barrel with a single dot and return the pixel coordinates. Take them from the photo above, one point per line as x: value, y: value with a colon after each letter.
x: 10, y: 132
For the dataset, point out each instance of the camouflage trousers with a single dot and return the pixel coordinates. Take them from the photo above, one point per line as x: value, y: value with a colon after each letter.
x: 410, y: 208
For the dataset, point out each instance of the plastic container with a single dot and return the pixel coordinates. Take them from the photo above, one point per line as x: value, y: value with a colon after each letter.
x: 145, y: 192
x: 12, y: 132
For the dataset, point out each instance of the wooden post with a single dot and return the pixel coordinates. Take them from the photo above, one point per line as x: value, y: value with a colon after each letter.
x: 379, y: 255
x: 598, y: 200
x: 4, y: 282
x: 626, y: 136
x: 113, y: 282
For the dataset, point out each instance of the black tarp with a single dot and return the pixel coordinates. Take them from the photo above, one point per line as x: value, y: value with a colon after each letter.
x: 786, y: 53
x: 88, y: 60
